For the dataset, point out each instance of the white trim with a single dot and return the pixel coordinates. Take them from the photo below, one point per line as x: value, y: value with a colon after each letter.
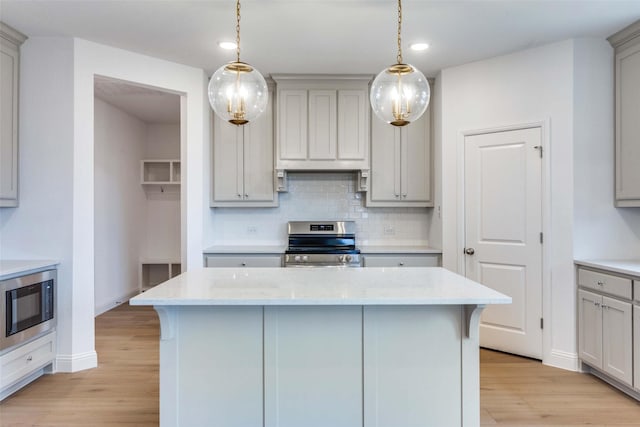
x: 76, y: 362
x: 116, y: 302
x: 548, y: 355
x: 563, y: 360
x: 23, y: 382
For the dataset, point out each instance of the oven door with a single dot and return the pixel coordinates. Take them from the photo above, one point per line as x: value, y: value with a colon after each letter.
x: 27, y: 307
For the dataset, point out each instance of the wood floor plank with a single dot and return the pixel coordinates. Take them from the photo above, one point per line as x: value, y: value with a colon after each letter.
x: 123, y: 390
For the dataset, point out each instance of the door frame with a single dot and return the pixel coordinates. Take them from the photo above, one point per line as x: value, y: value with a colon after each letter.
x: 545, y: 196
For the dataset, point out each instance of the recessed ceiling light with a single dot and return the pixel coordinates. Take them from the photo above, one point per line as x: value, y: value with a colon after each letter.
x: 227, y: 45
x: 419, y: 46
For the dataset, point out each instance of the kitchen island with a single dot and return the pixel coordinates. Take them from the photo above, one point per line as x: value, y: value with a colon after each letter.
x: 319, y: 347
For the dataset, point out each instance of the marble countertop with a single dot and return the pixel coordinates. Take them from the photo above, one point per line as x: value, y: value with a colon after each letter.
x: 15, y: 268
x: 279, y: 249
x: 399, y: 249
x: 245, y: 249
x: 629, y: 266
x: 319, y: 286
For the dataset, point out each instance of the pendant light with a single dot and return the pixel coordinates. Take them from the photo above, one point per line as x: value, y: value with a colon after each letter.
x: 237, y: 91
x: 399, y: 94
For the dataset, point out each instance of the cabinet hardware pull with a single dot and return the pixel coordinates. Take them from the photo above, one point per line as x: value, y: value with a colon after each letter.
x: 597, y: 304
x: 239, y: 195
x: 30, y: 358
x: 401, y: 264
x: 600, y: 283
x: 244, y: 264
x: 246, y: 196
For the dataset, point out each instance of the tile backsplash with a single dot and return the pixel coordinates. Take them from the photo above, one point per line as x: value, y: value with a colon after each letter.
x: 320, y: 196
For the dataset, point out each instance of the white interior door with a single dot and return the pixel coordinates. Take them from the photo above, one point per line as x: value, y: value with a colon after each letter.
x: 503, y: 241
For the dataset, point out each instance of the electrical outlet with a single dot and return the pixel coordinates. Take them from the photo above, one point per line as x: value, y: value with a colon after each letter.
x: 252, y: 229
x: 389, y: 230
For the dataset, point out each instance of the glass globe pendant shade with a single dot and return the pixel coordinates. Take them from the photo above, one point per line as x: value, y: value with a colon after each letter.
x: 399, y: 94
x: 238, y: 93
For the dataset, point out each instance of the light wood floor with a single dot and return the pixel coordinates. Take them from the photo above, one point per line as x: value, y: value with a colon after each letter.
x: 123, y: 390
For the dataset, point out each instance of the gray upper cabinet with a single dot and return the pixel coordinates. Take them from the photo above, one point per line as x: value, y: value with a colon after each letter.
x: 627, y: 110
x: 322, y: 122
x: 243, y: 174
x: 10, y: 41
x: 401, y: 164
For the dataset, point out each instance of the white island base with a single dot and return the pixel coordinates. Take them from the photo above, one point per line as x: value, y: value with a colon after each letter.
x: 321, y: 360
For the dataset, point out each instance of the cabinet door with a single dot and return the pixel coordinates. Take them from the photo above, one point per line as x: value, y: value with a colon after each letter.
x: 617, y: 338
x: 385, y: 163
x: 292, y: 124
x: 416, y: 160
x: 628, y: 126
x: 353, y: 124
x: 322, y: 125
x: 636, y: 347
x: 258, y: 159
x: 590, y: 328
x: 9, y: 58
x: 227, y: 161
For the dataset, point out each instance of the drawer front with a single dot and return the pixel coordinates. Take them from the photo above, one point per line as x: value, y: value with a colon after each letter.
x: 244, y: 261
x: 636, y: 290
x: 604, y: 282
x: 26, y: 359
x: 401, y: 261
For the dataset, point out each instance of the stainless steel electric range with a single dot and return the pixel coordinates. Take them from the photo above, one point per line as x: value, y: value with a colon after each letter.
x: 322, y: 244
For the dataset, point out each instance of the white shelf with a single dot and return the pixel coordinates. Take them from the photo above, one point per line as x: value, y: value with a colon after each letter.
x: 160, y: 172
x: 155, y: 271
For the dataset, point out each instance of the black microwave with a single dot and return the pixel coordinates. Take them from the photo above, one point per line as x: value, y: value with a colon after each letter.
x: 27, y: 307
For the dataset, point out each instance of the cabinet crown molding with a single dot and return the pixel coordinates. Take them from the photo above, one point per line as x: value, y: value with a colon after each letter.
x: 621, y: 37
x: 279, y: 78
x: 11, y: 34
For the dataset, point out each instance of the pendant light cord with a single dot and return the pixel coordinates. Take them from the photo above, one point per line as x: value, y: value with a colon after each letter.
x: 399, y: 58
x: 238, y: 30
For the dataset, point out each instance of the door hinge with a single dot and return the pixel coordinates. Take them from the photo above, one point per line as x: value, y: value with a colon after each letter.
x: 541, y: 237
x: 539, y: 147
x: 541, y: 323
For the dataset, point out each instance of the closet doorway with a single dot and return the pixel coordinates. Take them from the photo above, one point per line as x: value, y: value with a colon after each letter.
x: 137, y: 179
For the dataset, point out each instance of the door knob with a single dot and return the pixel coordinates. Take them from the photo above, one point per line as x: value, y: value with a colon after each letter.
x: 469, y: 251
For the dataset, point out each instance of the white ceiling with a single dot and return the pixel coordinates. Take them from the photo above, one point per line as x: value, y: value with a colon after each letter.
x: 321, y: 36
x: 148, y: 105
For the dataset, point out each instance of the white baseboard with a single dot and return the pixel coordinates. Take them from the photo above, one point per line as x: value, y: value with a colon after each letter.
x: 76, y: 362
x: 115, y: 302
x: 563, y: 360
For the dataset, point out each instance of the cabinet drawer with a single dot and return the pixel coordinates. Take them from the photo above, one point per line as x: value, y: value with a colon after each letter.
x: 401, y: 260
x: 603, y: 282
x: 636, y: 290
x: 244, y: 261
x: 26, y: 359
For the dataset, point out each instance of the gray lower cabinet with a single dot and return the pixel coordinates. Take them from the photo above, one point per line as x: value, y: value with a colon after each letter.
x: 10, y: 41
x: 23, y: 364
x: 627, y: 104
x: 401, y: 260
x: 605, y: 325
x: 636, y: 335
x: 243, y: 260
